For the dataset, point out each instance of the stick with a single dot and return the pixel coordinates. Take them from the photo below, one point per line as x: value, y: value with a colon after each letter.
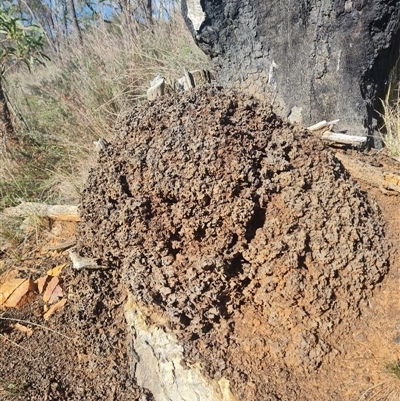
x: 322, y: 124
x: 343, y: 138
x: 54, y: 212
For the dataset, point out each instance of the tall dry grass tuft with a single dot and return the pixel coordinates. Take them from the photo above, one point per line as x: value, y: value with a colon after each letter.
x: 79, y: 95
x: 391, y: 118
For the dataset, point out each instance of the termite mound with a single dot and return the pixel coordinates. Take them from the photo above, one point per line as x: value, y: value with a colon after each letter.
x: 244, y: 230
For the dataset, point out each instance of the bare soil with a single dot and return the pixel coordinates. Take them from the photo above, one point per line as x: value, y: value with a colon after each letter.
x: 275, y: 267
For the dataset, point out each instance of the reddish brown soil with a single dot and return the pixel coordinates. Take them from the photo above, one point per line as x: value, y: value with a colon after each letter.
x: 267, y: 257
x: 80, y: 352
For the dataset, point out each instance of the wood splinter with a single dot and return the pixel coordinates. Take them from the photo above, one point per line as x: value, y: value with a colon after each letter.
x: 80, y: 262
x: 322, y: 124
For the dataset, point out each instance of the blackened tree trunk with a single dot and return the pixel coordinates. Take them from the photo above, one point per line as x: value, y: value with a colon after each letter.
x: 314, y: 59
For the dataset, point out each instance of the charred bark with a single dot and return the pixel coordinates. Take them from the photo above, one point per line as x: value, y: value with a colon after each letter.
x: 313, y: 59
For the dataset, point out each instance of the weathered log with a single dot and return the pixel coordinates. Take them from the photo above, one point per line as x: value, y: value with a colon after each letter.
x: 388, y: 183
x: 54, y: 212
x: 343, y: 138
x: 316, y: 58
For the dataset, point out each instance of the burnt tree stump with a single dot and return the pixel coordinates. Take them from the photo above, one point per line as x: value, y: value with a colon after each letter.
x: 313, y: 60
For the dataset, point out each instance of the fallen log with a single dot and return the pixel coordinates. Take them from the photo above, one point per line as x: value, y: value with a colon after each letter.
x: 54, y: 212
x: 388, y: 183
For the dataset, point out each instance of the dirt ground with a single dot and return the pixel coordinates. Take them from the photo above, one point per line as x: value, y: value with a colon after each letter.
x: 81, y: 352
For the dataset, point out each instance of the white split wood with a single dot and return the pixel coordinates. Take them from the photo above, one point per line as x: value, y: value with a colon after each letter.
x: 54, y: 212
x: 322, y: 124
x: 343, y: 138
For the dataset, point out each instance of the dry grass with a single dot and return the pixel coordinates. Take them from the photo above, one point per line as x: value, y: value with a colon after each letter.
x: 388, y: 390
x: 391, y: 129
x: 11, y: 390
x: 17, y: 232
x: 77, y: 98
x: 11, y: 233
x: 385, y: 391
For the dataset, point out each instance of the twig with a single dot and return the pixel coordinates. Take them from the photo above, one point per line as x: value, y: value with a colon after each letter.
x: 322, y: 124
x: 13, y: 342
x: 61, y: 247
x: 35, y: 324
x: 365, y: 393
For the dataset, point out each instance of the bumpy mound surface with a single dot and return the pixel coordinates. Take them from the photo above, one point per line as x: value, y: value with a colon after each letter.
x: 245, y: 230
